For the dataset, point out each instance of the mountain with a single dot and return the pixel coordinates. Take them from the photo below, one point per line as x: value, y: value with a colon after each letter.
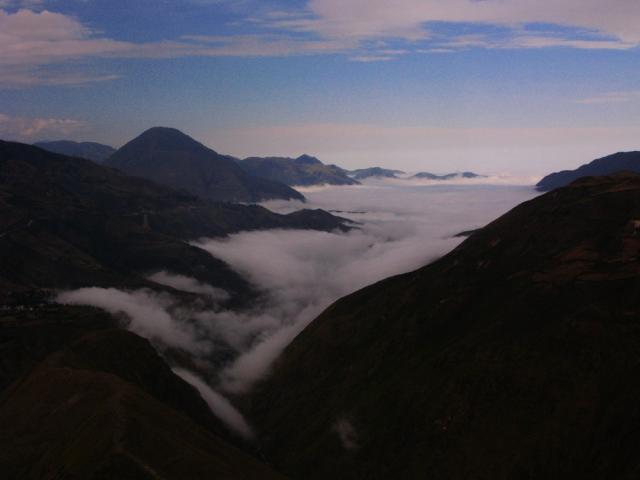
x: 447, y: 176
x: 169, y: 157
x: 514, y: 356
x: 363, y: 173
x: 68, y: 222
x: 304, y: 171
x: 89, y: 150
x: 618, y: 162
x: 82, y: 399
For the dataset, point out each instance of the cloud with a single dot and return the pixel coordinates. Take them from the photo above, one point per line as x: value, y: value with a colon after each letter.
x: 31, y: 40
x: 300, y: 272
x: 303, y: 272
x: 147, y: 313
x: 27, y: 129
x: 406, y: 19
x: 219, y: 405
x: 346, y: 433
x: 188, y: 284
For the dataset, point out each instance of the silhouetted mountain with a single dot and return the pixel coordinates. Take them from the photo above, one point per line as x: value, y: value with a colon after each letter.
x: 67, y: 222
x: 81, y: 399
x: 169, y: 157
x: 363, y: 173
x: 304, y: 170
x: 89, y: 150
x: 514, y: 356
x: 618, y: 162
x: 447, y: 176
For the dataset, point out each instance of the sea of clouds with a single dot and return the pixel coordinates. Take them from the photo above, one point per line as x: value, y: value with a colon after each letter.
x: 398, y: 227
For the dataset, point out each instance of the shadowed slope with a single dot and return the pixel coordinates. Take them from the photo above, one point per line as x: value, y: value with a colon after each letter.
x: 618, y: 162
x: 89, y: 150
x: 515, y: 356
x: 169, y: 157
x: 104, y: 405
x: 304, y: 170
x: 67, y: 222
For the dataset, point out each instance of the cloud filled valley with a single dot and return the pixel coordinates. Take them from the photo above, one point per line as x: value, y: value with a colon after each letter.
x: 298, y: 274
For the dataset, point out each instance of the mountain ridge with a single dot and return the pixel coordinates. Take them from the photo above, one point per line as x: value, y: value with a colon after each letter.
x: 617, y: 162
x: 90, y: 150
x: 507, y: 358
x: 170, y: 157
x: 304, y: 170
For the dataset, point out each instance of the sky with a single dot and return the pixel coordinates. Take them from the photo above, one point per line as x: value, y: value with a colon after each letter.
x: 492, y: 86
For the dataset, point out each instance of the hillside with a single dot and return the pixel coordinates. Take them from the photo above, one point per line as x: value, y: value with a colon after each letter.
x: 618, y: 162
x: 89, y: 150
x: 514, y: 356
x: 169, y: 157
x: 303, y: 171
x: 80, y: 399
x: 363, y: 173
x: 67, y: 222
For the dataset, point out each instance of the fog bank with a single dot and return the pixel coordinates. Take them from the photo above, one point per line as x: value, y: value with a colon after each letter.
x: 299, y: 273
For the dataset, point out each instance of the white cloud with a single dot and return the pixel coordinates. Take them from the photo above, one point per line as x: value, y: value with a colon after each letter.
x: 356, y: 28
x: 28, y: 129
x: 219, y: 405
x: 188, y: 284
x: 147, y: 313
x: 300, y: 273
x: 407, y: 18
x: 303, y: 272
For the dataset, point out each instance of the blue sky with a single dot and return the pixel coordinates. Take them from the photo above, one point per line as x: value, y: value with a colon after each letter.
x: 491, y: 85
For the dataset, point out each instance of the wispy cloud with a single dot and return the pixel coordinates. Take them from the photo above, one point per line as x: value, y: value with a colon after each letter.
x: 362, y: 30
x: 28, y: 129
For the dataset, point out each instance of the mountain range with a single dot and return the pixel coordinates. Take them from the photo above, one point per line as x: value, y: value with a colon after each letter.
x: 69, y: 222
x: 169, y: 157
x: 363, y: 173
x: 447, y: 176
x: 622, y: 161
x: 514, y: 356
x: 89, y: 150
x: 79, y: 396
x: 302, y: 171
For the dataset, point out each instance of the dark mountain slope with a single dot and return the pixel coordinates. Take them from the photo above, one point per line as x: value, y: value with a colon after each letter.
x: 169, y: 157
x: 514, y: 356
x: 68, y: 222
x: 304, y: 170
x: 97, y: 403
x: 89, y: 150
x: 446, y: 176
x: 618, y: 162
x: 363, y: 173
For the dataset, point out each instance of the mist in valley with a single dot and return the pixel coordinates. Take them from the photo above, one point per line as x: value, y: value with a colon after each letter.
x: 299, y: 273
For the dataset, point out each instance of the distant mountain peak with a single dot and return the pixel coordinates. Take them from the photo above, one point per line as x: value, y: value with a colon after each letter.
x: 170, y: 157
x: 618, y: 162
x: 166, y: 138
x: 308, y: 160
